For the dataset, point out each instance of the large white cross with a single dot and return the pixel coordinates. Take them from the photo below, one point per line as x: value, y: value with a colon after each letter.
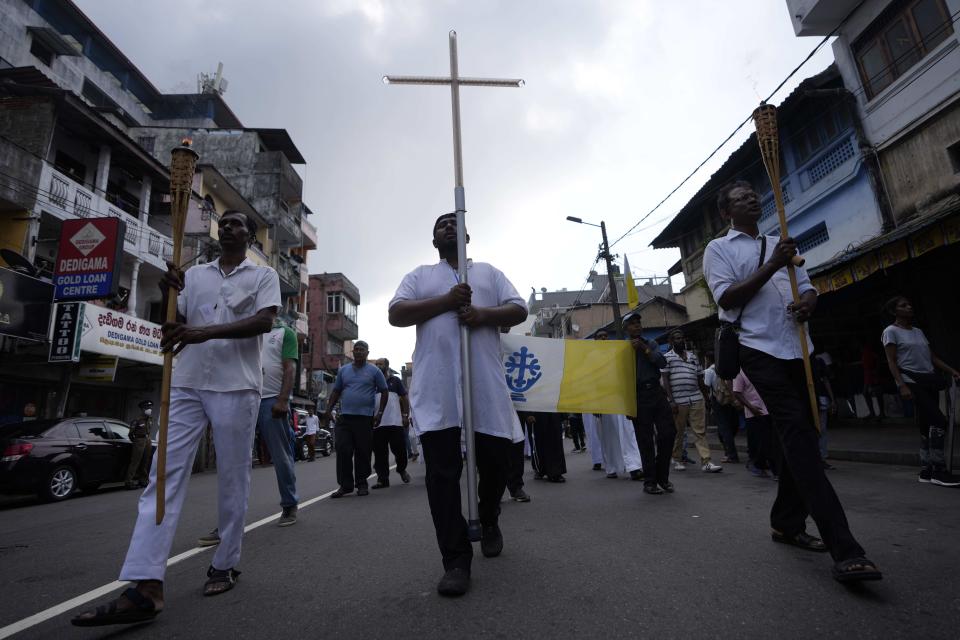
x: 455, y: 82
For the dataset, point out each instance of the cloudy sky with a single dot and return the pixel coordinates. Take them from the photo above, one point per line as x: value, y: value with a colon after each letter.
x: 622, y: 100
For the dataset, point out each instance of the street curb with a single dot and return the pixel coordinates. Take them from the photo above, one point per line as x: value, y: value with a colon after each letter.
x: 900, y: 458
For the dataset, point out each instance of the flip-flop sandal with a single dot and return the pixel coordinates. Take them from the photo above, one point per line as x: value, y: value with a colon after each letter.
x: 845, y: 572
x: 143, y: 610
x: 217, y: 577
x: 802, y: 540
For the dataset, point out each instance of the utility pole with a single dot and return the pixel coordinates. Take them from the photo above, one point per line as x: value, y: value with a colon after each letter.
x: 605, y: 253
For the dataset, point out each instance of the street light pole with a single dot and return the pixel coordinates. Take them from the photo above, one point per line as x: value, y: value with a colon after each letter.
x: 611, y: 282
x: 617, y: 320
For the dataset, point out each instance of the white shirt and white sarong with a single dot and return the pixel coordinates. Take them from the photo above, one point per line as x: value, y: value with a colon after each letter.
x: 591, y: 426
x: 435, y: 395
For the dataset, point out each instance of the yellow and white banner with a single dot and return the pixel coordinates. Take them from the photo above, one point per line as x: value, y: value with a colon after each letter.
x: 570, y: 376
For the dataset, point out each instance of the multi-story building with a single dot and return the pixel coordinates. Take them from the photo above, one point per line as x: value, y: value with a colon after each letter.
x: 84, y: 134
x: 828, y: 180
x: 332, y: 310
x: 899, y: 61
x: 578, y: 314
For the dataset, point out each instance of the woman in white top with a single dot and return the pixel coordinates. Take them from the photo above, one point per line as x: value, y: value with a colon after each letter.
x: 913, y: 365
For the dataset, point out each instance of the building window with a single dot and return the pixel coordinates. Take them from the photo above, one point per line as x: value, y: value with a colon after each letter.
x: 42, y: 52
x: 812, y: 237
x: 147, y: 143
x: 334, y: 348
x: 953, y: 152
x: 905, y: 33
x: 339, y: 303
x: 819, y: 133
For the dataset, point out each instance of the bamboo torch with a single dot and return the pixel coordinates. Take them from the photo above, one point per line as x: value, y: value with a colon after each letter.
x: 183, y: 162
x: 768, y: 137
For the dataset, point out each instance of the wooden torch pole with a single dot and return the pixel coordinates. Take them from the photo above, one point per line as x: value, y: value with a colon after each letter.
x: 183, y: 163
x: 768, y: 137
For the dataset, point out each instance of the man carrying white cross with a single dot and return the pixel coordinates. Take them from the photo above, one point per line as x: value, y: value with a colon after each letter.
x: 433, y: 298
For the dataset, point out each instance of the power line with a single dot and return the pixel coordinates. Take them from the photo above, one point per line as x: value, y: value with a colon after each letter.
x: 797, y: 132
x: 741, y: 125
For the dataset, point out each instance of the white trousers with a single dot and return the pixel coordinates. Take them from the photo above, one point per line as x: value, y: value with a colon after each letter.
x: 628, y: 445
x: 620, y: 451
x: 590, y: 426
x: 233, y: 416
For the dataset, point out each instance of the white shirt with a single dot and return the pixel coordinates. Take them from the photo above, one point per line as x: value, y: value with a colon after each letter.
x: 765, y: 325
x: 710, y: 377
x: 435, y: 394
x: 209, y: 297
x: 391, y: 414
x: 313, y: 423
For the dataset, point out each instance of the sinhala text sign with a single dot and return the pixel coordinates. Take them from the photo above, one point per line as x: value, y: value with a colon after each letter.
x: 88, y: 258
x: 112, y: 333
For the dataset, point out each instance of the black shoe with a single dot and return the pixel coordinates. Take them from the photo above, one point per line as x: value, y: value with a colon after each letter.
x: 597, y: 467
x: 455, y: 582
x: 652, y: 489
x: 557, y: 479
x: 131, y: 485
x: 405, y: 477
x: 288, y: 516
x: 944, y: 478
x: 636, y: 474
x: 612, y: 476
x: 363, y: 491
x: 339, y: 493
x: 666, y: 486
x: 520, y: 496
x: 381, y: 485
x: 491, y: 544
x: 827, y: 466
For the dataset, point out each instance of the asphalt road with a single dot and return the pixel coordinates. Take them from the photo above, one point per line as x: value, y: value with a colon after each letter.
x: 590, y: 558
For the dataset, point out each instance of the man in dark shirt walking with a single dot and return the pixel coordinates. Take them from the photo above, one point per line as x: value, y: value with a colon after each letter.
x: 654, y: 421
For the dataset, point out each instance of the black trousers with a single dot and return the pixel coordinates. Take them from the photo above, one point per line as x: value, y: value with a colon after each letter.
x: 515, y: 464
x: 728, y: 422
x: 655, y: 431
x: 761, y: 443
x: 444, y: 466
x: 932, y: 425
x: 353, y: 439
x: 803, y: 487
x: 386, y: 439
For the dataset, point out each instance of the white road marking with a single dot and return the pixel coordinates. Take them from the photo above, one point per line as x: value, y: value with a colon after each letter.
x: 99, y: 592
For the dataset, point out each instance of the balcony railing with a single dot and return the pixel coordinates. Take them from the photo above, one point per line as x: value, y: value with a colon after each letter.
x: 70, y: 199
x: 290, y: 225
x: 81, y: 203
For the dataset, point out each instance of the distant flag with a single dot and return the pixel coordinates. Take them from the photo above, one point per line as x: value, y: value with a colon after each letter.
x: 633, y: 298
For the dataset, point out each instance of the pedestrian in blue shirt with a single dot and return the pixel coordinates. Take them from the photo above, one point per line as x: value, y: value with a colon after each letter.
x: 356, y: 389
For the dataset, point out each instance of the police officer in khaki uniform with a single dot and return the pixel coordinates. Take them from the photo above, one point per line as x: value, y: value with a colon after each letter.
x: 139, y: 468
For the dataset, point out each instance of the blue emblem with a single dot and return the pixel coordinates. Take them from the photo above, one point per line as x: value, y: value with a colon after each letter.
x: 523, y: 371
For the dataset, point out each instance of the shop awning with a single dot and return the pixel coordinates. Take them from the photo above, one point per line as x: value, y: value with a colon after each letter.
x: 937, y: 227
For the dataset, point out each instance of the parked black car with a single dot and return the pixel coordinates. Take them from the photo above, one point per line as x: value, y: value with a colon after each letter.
x: 54, y: 458
x: 323, y: 445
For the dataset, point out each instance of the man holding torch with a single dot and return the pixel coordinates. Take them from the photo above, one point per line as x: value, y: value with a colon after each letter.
x: 432, y: 298
x: 223, y: 309
x: 747, y: 275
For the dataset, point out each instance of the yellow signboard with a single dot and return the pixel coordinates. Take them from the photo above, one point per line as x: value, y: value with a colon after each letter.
x: 840, y: 279
x: 866, y: 266
x: 893, y: 253
x: 97, y: 368
x: 927, y: 240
